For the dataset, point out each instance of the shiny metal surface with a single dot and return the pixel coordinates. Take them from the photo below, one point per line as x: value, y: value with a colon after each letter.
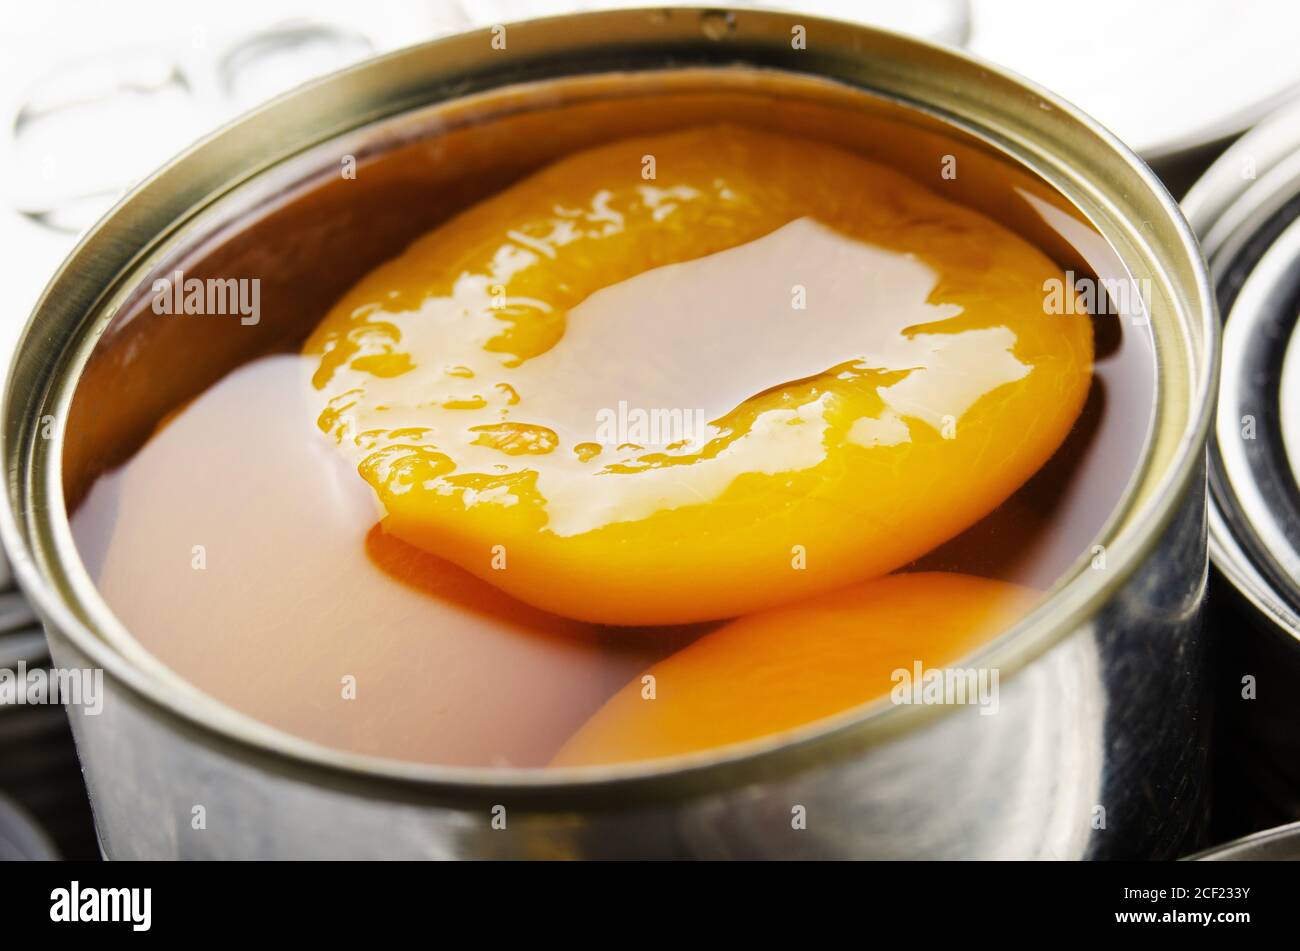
x: 1247, y: 210
x: 21, y: 839
x: 1272, y: 845
x: 43, y: 809
x: 1097, y: 749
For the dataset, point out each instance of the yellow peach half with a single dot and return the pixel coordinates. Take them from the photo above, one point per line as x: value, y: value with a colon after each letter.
x: 790, y: 666
x: 697, y: 375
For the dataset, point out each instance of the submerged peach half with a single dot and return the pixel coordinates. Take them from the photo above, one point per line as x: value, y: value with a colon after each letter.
x: 781, y: 669
x: 699, y: 374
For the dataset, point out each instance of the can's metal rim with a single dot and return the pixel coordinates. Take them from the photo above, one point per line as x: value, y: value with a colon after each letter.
x: 1246, y: 208
x: 1221, y: 132
x: 1278, y: 844
x: 1074, y: 153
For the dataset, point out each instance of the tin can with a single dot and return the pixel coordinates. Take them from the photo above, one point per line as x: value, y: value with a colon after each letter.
x: 1246, y: 208
x: 1099, y: 746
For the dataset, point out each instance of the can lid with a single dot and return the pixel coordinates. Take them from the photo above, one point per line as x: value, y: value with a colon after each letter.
x: 1246, y: 211
x: 1153, y: 73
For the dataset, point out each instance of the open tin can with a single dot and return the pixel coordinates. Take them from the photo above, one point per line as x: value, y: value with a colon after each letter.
x: 1098, y: 749
x: 1246, y: 209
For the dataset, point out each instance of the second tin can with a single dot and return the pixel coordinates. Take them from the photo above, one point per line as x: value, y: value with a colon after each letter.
x: 1246, y: 209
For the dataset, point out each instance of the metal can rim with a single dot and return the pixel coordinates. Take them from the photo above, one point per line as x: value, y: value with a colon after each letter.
x: 1238, y: 217
x: 1247, y: 847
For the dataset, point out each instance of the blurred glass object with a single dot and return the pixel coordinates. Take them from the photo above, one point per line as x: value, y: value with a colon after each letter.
x: 272, y: 61
x: 87, y: 130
